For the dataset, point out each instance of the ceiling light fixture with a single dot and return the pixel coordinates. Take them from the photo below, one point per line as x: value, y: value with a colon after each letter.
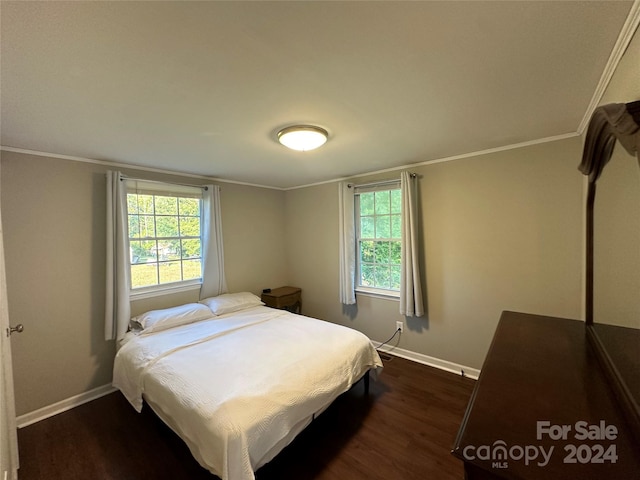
x: 302, y: 137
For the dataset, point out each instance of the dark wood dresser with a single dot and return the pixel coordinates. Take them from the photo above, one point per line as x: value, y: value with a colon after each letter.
x: 541, y: 390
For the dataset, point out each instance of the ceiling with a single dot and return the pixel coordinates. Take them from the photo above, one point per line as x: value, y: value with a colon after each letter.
x: 203, y: 87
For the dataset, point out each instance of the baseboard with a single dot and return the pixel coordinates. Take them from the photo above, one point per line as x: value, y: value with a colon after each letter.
x: 77, y: 400
x: 63, y: 405
x: 431, y: 361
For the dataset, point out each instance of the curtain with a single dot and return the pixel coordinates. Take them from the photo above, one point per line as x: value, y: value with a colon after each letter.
x: 8, y: 433
x: 347, y: 244
x: 213, y: 279
x: 117, y: 308
x: 410, y: 287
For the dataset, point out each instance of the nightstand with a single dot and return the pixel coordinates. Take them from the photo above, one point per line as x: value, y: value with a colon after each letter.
x: 286, y: 298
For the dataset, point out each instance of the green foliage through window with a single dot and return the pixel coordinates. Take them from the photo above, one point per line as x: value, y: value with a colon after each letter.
x: 165, y: 239
x: 379, y: 224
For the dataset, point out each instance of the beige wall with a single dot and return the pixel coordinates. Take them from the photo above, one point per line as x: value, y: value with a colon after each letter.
x: 500, y: 232
x: 54, y: 221
x: 624, y: 85
x: 617, y: 213
x: 616, y: 284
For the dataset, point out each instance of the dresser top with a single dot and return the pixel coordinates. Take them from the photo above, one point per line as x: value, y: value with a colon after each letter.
x: 541, y: 387
x: 281, y: 292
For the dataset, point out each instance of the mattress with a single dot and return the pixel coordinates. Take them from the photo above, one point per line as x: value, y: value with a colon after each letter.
x: 239, y: 387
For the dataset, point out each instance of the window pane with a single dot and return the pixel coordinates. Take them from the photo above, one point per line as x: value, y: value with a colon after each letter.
x: 142, y: 252
x: 382, y: 202
x: 189, y: 206
x: 395, y: 277
x: 147, y: 226
x: 166, y: 205
x: 367, y: 251
x: 382, y: 276
x: 144, y: 275
x: 367, y: 229
x: 367, y: 278
x: 191, y: 269
x: 191, y: 248
x: 145, y: 204
x: 382, y: 252
x: 150, y: 249
x: 170, y: 272
x: 366, y: 204
x: 134, y: 226
x: 132, y: 203
x: 395, y: 254
x: 189, y: 226
x: 167, y: 226
x: 137, y: 253
x: 396, y: 226
x: 396, y: 201
x: 169, y: 249
x: 383, y: 226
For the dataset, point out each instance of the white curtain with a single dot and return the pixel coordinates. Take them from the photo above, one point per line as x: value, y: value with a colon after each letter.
x: 410, y: 286
x: 8, y: 432
x: 213, y: 279
x: 117, y: 308
x: 347, y: 244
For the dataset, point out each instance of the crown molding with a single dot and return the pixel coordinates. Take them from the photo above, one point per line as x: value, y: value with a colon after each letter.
x: 131, y: 166
x: 488, y: 151
x: 622, y: 43
x: 333, y: 180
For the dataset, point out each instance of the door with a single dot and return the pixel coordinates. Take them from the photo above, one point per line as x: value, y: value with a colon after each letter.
x: 8, y: 432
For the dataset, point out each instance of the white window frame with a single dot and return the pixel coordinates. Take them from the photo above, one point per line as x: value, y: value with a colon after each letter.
x: 165, y: 189
x: 359, y: 288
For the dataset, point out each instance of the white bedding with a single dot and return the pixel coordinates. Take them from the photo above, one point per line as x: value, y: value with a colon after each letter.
x: 239, y: 387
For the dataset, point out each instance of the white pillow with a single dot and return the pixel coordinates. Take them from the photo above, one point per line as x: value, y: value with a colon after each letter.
x: 156, y: 320
x: 231, y: 302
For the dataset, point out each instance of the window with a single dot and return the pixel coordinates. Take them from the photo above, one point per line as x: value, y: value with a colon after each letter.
x: 379, y: 239
x: 165, y: 236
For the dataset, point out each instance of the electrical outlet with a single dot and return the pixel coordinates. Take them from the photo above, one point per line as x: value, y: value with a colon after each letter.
x: 400, y: 326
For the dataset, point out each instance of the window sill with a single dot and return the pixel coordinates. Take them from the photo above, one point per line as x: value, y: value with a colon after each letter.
x: 378, y: 293
x: 163, y: 290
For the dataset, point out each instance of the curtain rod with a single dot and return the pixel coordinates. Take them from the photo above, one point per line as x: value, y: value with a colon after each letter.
x: 204, y: 187
x: 381, y: 183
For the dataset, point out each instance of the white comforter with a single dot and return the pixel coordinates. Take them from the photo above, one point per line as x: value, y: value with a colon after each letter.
x: 238, y: 388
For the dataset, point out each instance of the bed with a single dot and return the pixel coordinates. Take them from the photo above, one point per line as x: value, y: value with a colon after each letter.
x: 236, y: 380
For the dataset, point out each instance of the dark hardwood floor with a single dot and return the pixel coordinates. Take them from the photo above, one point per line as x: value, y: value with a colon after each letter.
x: 403, y: 430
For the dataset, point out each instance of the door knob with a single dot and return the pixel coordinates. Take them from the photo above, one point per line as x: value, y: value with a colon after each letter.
x: 17, y: 329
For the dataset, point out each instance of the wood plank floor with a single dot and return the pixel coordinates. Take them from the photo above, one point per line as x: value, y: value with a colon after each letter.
x: 403, y: 430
